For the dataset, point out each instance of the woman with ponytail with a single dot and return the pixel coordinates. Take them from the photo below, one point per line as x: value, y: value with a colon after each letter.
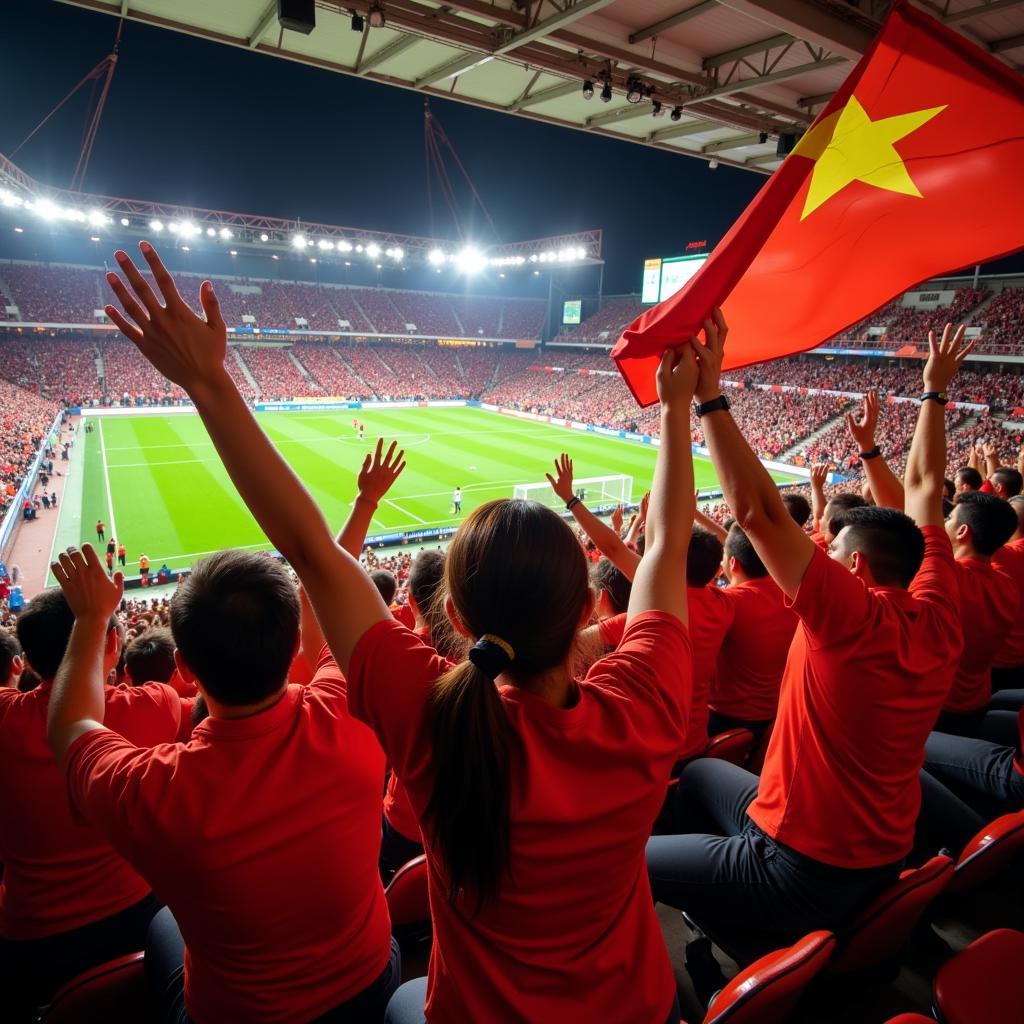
x: 535, y: 791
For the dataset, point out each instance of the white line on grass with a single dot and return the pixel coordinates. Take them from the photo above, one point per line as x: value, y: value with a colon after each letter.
x: 106, y: 478
x: 404, y: 511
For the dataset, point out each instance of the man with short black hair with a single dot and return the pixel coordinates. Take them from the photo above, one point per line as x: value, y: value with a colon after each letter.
x: 798, y: 506
x: 386, y: 583
x: 967, y: 479
x: 1006, y: 482
x: 10, y: 660
x: 149, y: 658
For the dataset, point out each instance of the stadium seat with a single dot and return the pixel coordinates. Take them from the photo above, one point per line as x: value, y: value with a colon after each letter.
x: 733, y: 745
x: 769, y: 988
x: 406, y: 894
x: 757, y: 755
x: 989, y: 852
x: 911, y: 1018
x: 981, y: 984
x: 111, y: 993
x: 881, y: 930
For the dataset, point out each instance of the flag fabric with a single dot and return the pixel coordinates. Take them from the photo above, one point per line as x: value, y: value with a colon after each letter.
x: 914, y: 168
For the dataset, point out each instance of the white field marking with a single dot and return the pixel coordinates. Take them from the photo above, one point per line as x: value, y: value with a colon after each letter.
x: 106, y: 477
x: 404, y: 511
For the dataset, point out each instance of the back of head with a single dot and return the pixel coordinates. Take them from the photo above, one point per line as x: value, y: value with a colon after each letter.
x: 43, y: 630
x: 840, y: 503
x: 704, y: 557
x: 386, y: 584
x: 514, y: 571
x: 738, y: 546
x: 1009, y: 480
x: 1017, y: 504
x: 992, y: 521
x: 609, y: 580
x: 425, y: 578
x: 968, y: 476
x: 9, y: 650
x: 149, y: 658
x: 235, y: 621
x: 887, y: 539
x: 797, y: 506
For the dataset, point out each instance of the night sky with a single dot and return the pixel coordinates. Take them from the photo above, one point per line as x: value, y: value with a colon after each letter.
x: 203, y: 124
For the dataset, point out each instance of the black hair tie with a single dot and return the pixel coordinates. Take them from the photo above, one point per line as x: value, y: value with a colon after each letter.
x: 491, y: 655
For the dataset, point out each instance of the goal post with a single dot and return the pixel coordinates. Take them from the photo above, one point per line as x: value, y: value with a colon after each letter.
x: 596, y: 491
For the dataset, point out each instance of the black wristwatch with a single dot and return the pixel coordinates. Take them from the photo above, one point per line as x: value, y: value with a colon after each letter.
x: 721, y: 402
x: 939, y: 396
x: 873, y: 454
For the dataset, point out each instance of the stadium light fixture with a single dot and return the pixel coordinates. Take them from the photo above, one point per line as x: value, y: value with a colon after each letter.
x: 344, y: 246
x: 274, y: 256
x: 325, y: 245
x: 97, y: 218
x: 186, y: 248
x: 376, y: 14
x: 47, y: 209
x: 225, y: 233
x: 125, y: 222
x: 264, y: 237
x: 212, y: 232
x: 233, y: 252
x: 657, y: 109
x: 348, y: 263
x: 312, y: 259
x: 713, y: 163
x: 677, y: 113
x: 606, y: 92
x: 94, y: 238
x: 299, y: 242
x: 634, y: 90
x: 188, y: 229
x: 19, y: 231
x: 174, y: 227
x: 156, y: 225
x: 469, y: 260
x: 762, y: 138
x: 8, y: 198
x: 435, y: 257
x: 358, y: 24
x: 378, y: 266
x: 588, y: 90
x: 536, y: 273
x: 398, y: 253
x: 373, y: 250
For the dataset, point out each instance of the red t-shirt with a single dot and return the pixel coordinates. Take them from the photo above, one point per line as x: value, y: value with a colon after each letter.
x: 59, y: 873
x: 1010, y: 559
x: 867, y: 675
x: 711, y: 615
x: 573, y: 934
x: 819, y: 538
x: 754, y: 651
x: 262, y: 834
x: 404, y: 614
x: 989, y: 600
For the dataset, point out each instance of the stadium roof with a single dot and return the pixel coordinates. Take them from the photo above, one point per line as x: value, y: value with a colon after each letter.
x: 733, y: 69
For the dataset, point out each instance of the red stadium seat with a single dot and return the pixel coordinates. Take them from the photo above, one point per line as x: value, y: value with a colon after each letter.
x: 911, y: 1018
x: 112, y: 993
x: 406, y: 894
x: 733, y: 745
x: 881, y: 931
x: 981, y: 984
x: 757, y: 755
x: 989, y: 852
x: 769, y: 988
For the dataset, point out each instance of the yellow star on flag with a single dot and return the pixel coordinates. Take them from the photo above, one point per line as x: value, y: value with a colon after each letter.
x: 848, y: 146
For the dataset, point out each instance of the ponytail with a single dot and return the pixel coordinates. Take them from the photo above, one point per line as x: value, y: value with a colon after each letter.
x: 469, y: 805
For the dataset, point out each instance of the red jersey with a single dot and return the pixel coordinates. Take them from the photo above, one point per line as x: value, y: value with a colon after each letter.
x: 1010, y: 559
x: 572, y: 934
x: 867, y: 675
x: 710, y: 615
x: 262, y: 834
x: 754, y: 651
x: 60, y: 873
x: 989, y: 600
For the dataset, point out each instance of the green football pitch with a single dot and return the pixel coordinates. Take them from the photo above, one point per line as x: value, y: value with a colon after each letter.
x: 158, y: 485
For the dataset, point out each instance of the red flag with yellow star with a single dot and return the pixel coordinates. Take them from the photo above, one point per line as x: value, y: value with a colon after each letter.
x: 914, y: 168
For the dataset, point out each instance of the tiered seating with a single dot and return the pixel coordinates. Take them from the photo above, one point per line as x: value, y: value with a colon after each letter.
x: 56, y: 369
x: 522, y: 318
x: 275, y: 373
x: 128, y: 374
x: 1002, y: 322
x: 367, y: 364
x: 25, y: 419
x: 480, y: 316
x: 333, y: 375
x: 236, y: 374
x: 381, y: 312
x: 52, y: 294
x: 605, y: 326
x: 432, y: 314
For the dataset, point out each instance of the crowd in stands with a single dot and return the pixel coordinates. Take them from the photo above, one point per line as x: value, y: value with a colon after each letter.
x: 25, y: 419
x: 1002, y: 322
x: 54, y: 294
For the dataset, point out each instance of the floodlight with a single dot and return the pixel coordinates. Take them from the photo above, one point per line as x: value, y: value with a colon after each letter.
x: 19, y: 231
x: 264, y: 237
x: 156, y: 225
x: 94, y: 238
x: 435, y: 257
x: 97, y: 218
x: 233, y: 252
x: 344, y: 246
x: 299, y: 241
x: 634, y: 90
x: 312, y: 259
x: 677, y: 113
x: 376, y: 15
x: 398, y: 253
x: 225, y: 233
x: 358, y: 24
x: 470, y: 260
x: 657, y: 110
x: 713, y: 163
x: 588, y: 90
x: 47, y: 209
x: 211, y: 232
x: 125, y: 222
x: 8, y: 198
x: 606, y: 93
x: 762, y: 138
x: 373, y: 250
x: 188, y: 229
x: 174, y: 227
x: 186, y: 248
x: 325, y: 244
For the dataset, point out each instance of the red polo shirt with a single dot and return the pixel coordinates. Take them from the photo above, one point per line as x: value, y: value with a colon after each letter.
x: 989, y: 600
x: 754, y: 651
x: 1010, y: 559
x: 60, y: 873
x: 262, y: 834
x: 572, y: 935
x: 710, y: 615
x: 867, y: 675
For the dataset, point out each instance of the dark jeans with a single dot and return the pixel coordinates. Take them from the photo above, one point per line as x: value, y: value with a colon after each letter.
x: 1007, y: 700
x: 975, y: 781
x: 749, y: 892
x: 406, y: 1006
x: 1001, y: 727
x: 1007, y: 678
x: 395, y: 850
x: 32, y: 970
x: 723, y: 723
x: 957, y: 723
x: 165, y: 971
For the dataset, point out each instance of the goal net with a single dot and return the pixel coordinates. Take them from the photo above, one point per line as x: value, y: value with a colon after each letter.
x: 596, y: 491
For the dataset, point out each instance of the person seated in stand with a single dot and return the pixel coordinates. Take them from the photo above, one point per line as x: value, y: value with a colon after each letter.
x: 1003, y: 481
x: 68, y: 901
x: 798, y: 506
x: 966, y: 479
x: 386, y: 584
x: 745, y: 693
x: 11, y: 663
x: 829, y: 823
x: 824, y: 510
x: 149, y: 657
x: 1008, y: 667
x: 535, y: 795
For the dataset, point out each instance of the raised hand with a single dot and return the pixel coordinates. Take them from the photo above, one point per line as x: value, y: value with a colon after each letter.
x: 380, y: 471
x: 617, y: 519
x: 645, y: 502
x: 819, y: 474
x: 945, y: 357
x: 184, y: 347
x: 710, y: 353
x: 561, y: 482
x: 990, y: 451
x: 87, y: 589
x: 677, y: 377
x: 862, y: 427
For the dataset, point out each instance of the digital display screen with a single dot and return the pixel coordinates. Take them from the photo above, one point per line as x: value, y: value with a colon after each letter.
x: 572, y: 310
x: 676, y: 272
x: 652, y: 281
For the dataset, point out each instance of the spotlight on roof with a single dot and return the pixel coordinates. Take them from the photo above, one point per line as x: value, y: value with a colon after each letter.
x: 376, y: 15
x: 156, y: 225
x: 233, y: 252
x: 435, y: 257
x: 97, y: 218
x: 713, y: 163
x: 762, y: 138
x: 264, y: 237
x: 211, y: 232
x: 125, y: 222
x: 606, y: 92
x: 225, y: 233
x: 634, y: 90
x: 677, y: 113
x: 358, y: 23
x: 588, y: 90
x: 657, y: 109
x: 299, y: 241
x: 398, y: 253
x: 373, y: 250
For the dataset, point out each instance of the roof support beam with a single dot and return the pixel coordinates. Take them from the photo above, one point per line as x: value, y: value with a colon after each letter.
x: 764, y: 158
x: 959, y: 17
x: 735, y: 143
x: 554, y: 92
x: 807, y: 21
x: 676, y: 19
x: 124, y: 8
x: 261, y: 26
x: 746, y: 51
x: 774, y: 76
x: 385, y: 53
x: 1009, y: 43
x: 680, y: 131
x: 813, y: 101
x: 626, y: 113
x: 452, y: 68
x: 543, y: 28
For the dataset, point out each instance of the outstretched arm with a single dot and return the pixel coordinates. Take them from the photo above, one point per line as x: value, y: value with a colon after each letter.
x: 886, y: 488
x: 992, y: 460
x: 375, y: 479
x: 609, y: 543
x: 190, y: 351
x: 752, y: 495
x: 638, y: 523
x: 77, y: 704
x: 660, y: 580
x: 819, y: 474
x: 925, y: 475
